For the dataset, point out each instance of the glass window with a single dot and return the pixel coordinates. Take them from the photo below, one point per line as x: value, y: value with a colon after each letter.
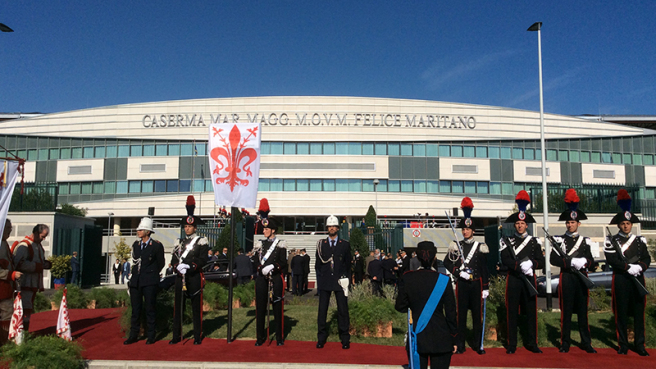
x: 122, y: 187
x: 199, y: 185
x: 456, y: 151
x: 289, y: 148
x: 160, y: 186
x: 470, y: 187
x: 355, y: 185
x: 315, y: 185
x: 585, y: 156
x: 100, y: 152
x: 111, y: 151
x: 650, y: 193
x: 433, y: 186
x: 381, y: 148
x: 302, y: 185
x: 517, y: 187
x: 406, y: 149
x: 457, y: 187
x: 276, y: 148
x: 469, y: 151
x: 563, y: 155
x: 445, y: 186
x: 574, y: 156
x: 406, y: 186
x: 265, y: 148
x: 482, y: 187
x: 275, y: 184
x: 303, y: 148
x: 367, y: 185
x: 626, y: 158
x: 63, y: 188
x: 185, y: 185
x: 420, y: 186
x: 596, y: 157
x: 136, y: 150
x: 495, y: 188
x: 123, y: 151
x: 174, y: 149
x: 507, y: 189
x: 135, y: 187
x: 172, y: 185
x: 393, y: 149
x: 367, y: 148
x: 329, y: 148
x: 432, y: 150
x: 648, y: 159
x: 98, y: 187
x: 161, y: 150
x: 538, y: 154
x: 149, y: 150
x: 529, y: 154
x: 316, y: 148
x: 76, y: 153
x: 342, y: 185
x: 263, y: 185
x: 445, y: 150
x: 552, y: 155
x: 481, y: 152
x: 23, y: 153
x: 208, y: 186
x: 506, y: 153
x: 637, y: 159
x: 382, y: 186
x: 75, y: 188
x: 329, y: 185
x: 518, y: 153
x: 611, y: 158
x: 355, y: 148
x: 393, y: 186
x: 419, y: 150
x: 88, y: 152
x: 186, y: 149
x: 493, y: 152
x: 341, y: 148
x: 43, y: 154
x: 110, y: 187
x: 200, y: 148
x: 147, y: 187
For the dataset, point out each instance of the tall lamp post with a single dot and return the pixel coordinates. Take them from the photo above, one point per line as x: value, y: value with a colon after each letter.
x: 376, y: 183
x: 545, y: 209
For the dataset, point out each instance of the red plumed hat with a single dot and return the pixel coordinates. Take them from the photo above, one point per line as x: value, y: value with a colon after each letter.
x: 572, y: 201
x: 466, y: 205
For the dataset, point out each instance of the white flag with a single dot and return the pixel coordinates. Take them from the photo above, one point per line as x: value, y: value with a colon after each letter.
x: 234, y: 156
x: 16, y: 324
x: 63, y: 322
x: 8, y: 176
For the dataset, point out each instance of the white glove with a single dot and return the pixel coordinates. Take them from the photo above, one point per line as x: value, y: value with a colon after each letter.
x: 486, y: 293
x: 465, y: 275
x: 267, y: 269
x: 529, y: 273
x: 634, y: 270
x: 526, y: 267
x: 578, y: 263
x: 182, y: 268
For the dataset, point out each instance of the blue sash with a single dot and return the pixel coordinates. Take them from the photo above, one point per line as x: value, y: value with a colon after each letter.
x: 424, y: 318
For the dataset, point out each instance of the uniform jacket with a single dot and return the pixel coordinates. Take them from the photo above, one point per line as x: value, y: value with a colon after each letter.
x: 146, y: 263
x: 306, y: 264
x: 358, y: 264
x: 328, y: 274
x: 568, y: 242
x: 243, y: 266
x: 388, y: 269
x: 415, y: 288
x: 376, y: 270
x: 298, y: 265
x: 278, y: 257
x: 28, y: 259
x: 477, y: 264
x: 7, y: 272
x: 532, y: 251
x: 636, y: 253
x: 196, y: 259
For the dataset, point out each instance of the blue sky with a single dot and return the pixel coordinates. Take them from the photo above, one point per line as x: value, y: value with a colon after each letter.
x: 599, y: 57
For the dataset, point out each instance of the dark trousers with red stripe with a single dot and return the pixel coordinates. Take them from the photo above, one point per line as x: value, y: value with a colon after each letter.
x: 573, y: 297
x: 468, y: 294
x: 261, y: 301
x: 516, y: 296
x: 196, y: 308
x: 626, y: 302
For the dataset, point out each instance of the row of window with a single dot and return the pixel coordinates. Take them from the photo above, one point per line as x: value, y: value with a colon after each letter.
x: 120, y: 151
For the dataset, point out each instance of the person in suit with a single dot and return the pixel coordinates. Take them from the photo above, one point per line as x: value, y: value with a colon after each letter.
x: 376, y: 273
x: 116, y: 270
x: 333, y: 269
x: 188, y: 258
x: 414, y: 262
x: 390, y: 267
x: 405, y: 262
x: 75, y: 268
x: 306, y: 271
x: 222, y: 260
x: 243, y: 268
x: 368, y: 260
x: 358, y: 268
x: 289, y: 274
x: 437, y: 340
x: 126, y: 271
x: 297, y: 274
x: 147, y: 262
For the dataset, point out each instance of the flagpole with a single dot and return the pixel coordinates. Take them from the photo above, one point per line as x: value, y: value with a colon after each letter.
x: 230, y: 270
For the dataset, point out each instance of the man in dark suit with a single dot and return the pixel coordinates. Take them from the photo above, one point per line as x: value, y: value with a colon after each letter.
x: 147, y: 262
x: 375, y: 272
x: 358, y: 268
x: 389, y: 270
x: 437, y: 339
x: 333, y: 268
x: 306, y: 271
x: 243, y: 268
x: 297, y: 274
x: 222, y: 260
x: 75, y: 268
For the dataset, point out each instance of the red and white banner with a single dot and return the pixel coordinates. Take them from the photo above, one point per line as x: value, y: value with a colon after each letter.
x: 8, y: 177
x: 234, y: 155
x: 63, y: 321
x: 16, y: 324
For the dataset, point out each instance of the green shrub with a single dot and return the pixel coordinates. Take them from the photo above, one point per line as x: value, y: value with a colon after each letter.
x: 245, y: 293
x: 369, y: 313
x: 389, y: 292
x: 75, y: 297
x: 361, y: 292
x: 215, y: 295
x: 105, y: 297
x: 599, y: 299
x: 41, y: 303
x: 496, y: 307
x: 123, y: 298
x: 42, y: 352
x: 650, y: 325
x: 61, y: 264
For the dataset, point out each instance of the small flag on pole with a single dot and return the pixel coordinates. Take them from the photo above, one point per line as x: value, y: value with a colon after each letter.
x: 63, y: 322
x: 16, y: 324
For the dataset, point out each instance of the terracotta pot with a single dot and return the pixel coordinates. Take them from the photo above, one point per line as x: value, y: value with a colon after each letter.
x: 492, y: 334
x: 383, y: 330
x: 91, y: 304
x: 206, y: 307
x: 236, y: 304
x: 53, y: 306
x: 252, y: 303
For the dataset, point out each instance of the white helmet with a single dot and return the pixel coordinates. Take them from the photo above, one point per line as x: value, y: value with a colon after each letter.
x: 332, y: 221
x: 146, y: 224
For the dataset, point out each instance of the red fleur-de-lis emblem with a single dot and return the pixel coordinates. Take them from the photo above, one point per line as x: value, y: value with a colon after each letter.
x: 232, y: 160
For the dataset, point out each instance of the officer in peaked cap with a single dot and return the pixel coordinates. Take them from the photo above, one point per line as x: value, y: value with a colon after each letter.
x: 628, y: 270
x: 270, y: 256
x: 469, y: 269
x: 188, y: 258
x: 522, y: 255
x: 576, y: 254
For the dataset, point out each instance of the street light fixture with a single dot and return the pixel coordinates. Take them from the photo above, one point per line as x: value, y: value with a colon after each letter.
x: 5, y: 28
x: 376, y: 183
x: 537, y: 26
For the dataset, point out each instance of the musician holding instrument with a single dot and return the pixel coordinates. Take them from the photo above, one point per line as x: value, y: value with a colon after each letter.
x: 627, y: 254
x: 571, y: 252
x: 467, y: 263
x: 522, y: 254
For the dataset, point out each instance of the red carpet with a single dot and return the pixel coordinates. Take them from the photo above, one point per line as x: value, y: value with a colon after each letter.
x: 99, y: 333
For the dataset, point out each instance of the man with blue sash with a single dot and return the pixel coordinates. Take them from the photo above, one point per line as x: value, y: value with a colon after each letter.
x: 429, y: 299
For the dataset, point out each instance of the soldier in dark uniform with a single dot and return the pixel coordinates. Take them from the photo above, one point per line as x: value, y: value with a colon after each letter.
x: 147, y: 262
x: 438, y: 339
x: 573, y: 294
x: 472, y: 279
x: 333, y: 268
x: 306, y: 271
x: 297, y: 274
x: 626, y: 299
x: 188, y: 258
x: 358, y: 267
x: 270, y: 257
x: 522, y: 255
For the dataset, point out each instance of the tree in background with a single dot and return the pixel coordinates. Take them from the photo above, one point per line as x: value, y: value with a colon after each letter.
x: 224, y: 238
x: 34, y: 199
x: 358, y: 242
x: 122, y: 250
x: 370, y: 218
x: 72, y: 210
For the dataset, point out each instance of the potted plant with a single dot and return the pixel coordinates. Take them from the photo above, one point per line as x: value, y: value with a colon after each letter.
x: 61, y: 264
